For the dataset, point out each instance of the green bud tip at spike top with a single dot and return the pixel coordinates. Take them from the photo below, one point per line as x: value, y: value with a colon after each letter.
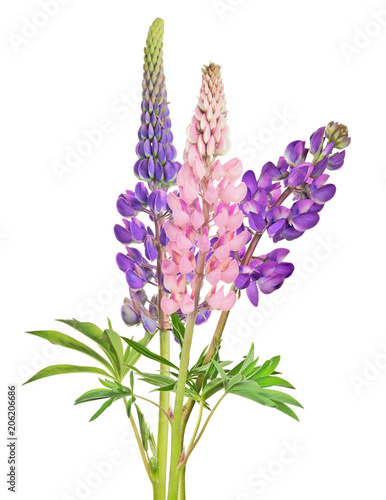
x: 156, y: 164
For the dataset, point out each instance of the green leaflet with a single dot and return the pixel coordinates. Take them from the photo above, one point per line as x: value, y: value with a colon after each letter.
x: 64, y: 340
x: 131, y: 356
x: 62, y: 369
x: 158, y: 380
x: 248, y: 389
x: 143, y: 428
x: 222, y: 373
x: 147, y: 353
x: 287, y: 410
x: 266, y: 369
x: 212, y: 387
x: 279, y: 396
x: 95, y: 394
x: 104, y: 407
x: 272, y: 381
x: 129, y: 405
x: 91, y: 331
x: 178, y: 328
x: 116, y: 346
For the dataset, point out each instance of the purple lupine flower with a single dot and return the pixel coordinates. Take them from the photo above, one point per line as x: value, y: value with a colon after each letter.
x: 316, y: 140
x: 265, y: 273
x: 336, y: 160
x: 133, y: 312
x: 295, y: 153
x: 299, y: 174
x: 289, y: 224
x: 157, y: 201
x: 156, y: 164
x: 320, y: 192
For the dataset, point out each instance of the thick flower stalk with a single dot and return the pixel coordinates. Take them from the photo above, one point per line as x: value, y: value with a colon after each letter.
x: 155, y: 149
x: 157, y: 166
x: 305, y: 181
x: 204, y: 235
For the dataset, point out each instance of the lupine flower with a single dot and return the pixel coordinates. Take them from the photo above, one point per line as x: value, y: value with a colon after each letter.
x: 137, y: 267
x: 208, y: 133
x: 155, y: 150
x: 157, y: 166
x: 208, y: 195
x: 133, y: 312
x: 295, y: 153
x: 266, y: 273
x: 305, y: 180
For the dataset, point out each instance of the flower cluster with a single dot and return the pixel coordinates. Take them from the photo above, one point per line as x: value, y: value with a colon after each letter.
x: 263, y: 205
x: 266, y: 272
x: 206, y: 213
x: 138, y: 268
x: 307, y: 181
x: 155, y: 150
x: 157, y: 167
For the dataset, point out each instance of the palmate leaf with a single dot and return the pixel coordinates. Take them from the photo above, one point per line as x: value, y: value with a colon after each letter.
x: 279, y: 400
x: 91, y: 331
x: 212, y: 387
x: 147, y: 353
x: 64, y: 340
x: 63, y: 369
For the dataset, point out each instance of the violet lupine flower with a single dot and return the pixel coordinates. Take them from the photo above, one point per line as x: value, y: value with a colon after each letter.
x: 261, y: 193
x: 306, y: 180
x: 134, y: 312
x: 156, y: 164
x: 207, y: 194
x: 136, y: 264
x: 265, y: 273
x: 295, y: 153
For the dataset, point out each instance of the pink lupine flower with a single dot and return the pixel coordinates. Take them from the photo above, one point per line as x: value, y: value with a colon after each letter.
x: 206, y: 216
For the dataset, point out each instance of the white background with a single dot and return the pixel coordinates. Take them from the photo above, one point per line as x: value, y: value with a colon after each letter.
x: 311, y: 61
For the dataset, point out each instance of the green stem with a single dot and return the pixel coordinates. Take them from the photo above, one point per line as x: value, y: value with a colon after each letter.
x: 191, y: 448
x: 164, y: 398
x: 179, y: 402
x: 163, y: 420
x: 196, y: 429
x: 141, y: 448
x: 181, y: 491
x: 154, y: 404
